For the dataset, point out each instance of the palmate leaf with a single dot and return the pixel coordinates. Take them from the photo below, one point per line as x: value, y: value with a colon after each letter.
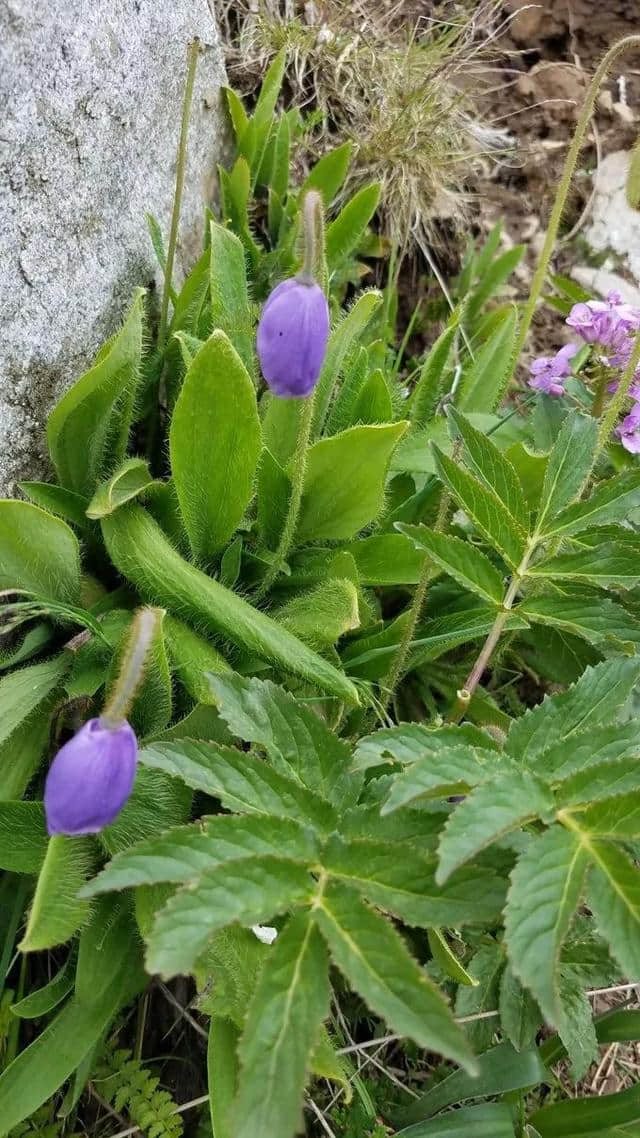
x: 453, y: 769
x: 487, y: 813
x: 485, y: 510
x: 296, y: 740
x: 283, y: 1019
x: 249, y: 891
x: 546, y: 889
x: 373, y: 958
x: 401, y: 879
x: 242, y: 782
x: 460, y: 559
x: 569, y: 465
x: 492, y: 467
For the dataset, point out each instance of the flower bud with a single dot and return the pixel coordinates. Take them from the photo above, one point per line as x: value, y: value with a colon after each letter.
x: 90, y: 778
x: 292, y: 336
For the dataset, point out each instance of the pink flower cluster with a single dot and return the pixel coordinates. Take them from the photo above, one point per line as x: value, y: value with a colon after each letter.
x: 610, y: 325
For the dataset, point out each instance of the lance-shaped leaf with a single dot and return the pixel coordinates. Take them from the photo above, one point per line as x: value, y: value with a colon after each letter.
x: 230, y: 309
x: 328, y: 173
x: 614, y: 563
x: 349, y: 227
x: 493, y: 468
x: 485, y: 510
x: 283, y: 1020
x: 250, y: 891
x: 373, y: 958
x: 546, y: 889
x: 460, y: 559
x: 409, y: 742
x: 449, y: 770
x: 489, y: 1120
x: 613, y: 892
x: 484, y: 383
x: 343, y: 337
x: 215, y: 445
x: 569, y: 466
x: 56, y: 911
x: 606, y: 624
x: 612, y: 501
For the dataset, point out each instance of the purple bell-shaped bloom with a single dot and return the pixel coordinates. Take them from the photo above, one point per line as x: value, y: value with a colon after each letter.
x: 292, y: 336
x: 90, y: 778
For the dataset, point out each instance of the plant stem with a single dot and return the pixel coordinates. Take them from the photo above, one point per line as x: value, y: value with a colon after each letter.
x: 143, y: 629
x: 465, y: 694
x: 599, y: 393
x: 297, y: 486
x: 313, y: 224
x: 565, y: 182
x: 618, y: 399
x: 194, y: 50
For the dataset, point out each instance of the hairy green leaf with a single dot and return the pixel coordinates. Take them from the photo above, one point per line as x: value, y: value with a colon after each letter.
x: 485, y: 510
x: 38, y: 553
x: 460, y: 559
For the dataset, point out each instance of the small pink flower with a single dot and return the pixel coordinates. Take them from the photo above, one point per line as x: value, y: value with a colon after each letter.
x: 629, y: 430
x: 548, y: 373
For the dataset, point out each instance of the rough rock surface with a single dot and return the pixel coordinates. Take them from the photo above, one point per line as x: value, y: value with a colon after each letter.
x: 614, y: 224
x: 91, y: 97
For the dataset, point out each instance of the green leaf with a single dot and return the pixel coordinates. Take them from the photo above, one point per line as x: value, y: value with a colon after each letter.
x: 447, y: 959
x: 387, y: 559
x: 453, y: 769
x: 569, y: 466
x: 491, y: 276
x: 409, y: 742
x: 287, y: 1009
x: 192, y: 658
x: 45, y: 999
x: 590, y: 1117
x: 374, y: 959
x: 349, y: 227
x: 274, y: 492
x: 613, y: 891
x: 546, y: 889
x: 23, y: 691
x: 240, y: 780
x: 428, y: 389
x: 401, y: 879
x: 321, y: 616
x: 595, y: 699
x: 616, y: 818
x: 254, y: 139
x: 500, y: 1070
x: 250, y: 891
x: 343, y: 337
x: 611, y: 501
x: 222, y: 1074
x: 296, y: 740
x: 129, y: 481
x: 577, y: 1029
x: 374, y: 404
x: 519, y: 1014
x: 56, y: 911
x: 329, y: 173
x: 23, y: 836
x: 460, y: 559
x: 490, y: 1120
x: 231, y: 563
x: 485, y: 967
x: 600, y: 780
x: 183, y: 854
x: 88, y: 430
x: 485, y: 381
x: 143, y: 554
x: 632, y: 185
x: 614, y: 563
x: 156, y: 803
x: 56, y: 500
x: 344, y: 481
x: 22, y: 752
x: 230, y: 309
x: 492, y: 468
x: 489, y: 812
x: 215, y: 445
x: 608, y: 626
x: 485, y: 510
x: 38, y: 553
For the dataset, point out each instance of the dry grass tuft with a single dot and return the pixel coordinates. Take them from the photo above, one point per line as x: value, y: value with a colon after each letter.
x: 402, y: 88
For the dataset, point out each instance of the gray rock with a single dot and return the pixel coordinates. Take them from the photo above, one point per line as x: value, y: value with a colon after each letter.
x: 92, y: 101
x: 613, y: 224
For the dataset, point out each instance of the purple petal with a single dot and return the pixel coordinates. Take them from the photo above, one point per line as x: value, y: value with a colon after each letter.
x: 90, y: 779
x: 292, y: 337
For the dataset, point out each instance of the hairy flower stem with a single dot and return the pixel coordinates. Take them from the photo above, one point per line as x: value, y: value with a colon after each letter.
x: 599, y: 394
x: 618, y: 399
x: 194, y: 50
x: 565, y: 181
x: 313, y: 228
x: 144, y: 627
x: 295, y: 499
x: 465, y: 695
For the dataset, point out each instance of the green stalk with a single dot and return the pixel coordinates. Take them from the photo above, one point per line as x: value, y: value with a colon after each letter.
x: 194, y: 50
x: 565, y: 182
x: 618, y: 399
x: 599, y: 393
x: 141, y: 635
x: 295, y: 498
x: 144, y: 555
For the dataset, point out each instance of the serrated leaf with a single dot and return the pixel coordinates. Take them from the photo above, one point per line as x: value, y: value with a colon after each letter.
x: 38, y: 553
x: 215, y: 443
x: 185, y: 853
x: 611, y: 501
x: 599, y: 780
x: 409, y: 742
x: 374, y: 959
x: 344, y: 481
x: 287, y: 1009
x: 608, y: 626
x: 577, y: 1030
x: 230, y: 310
x: 56, y: 911
x: 614, y: 563
x: 129, y: 481
x: 616, y: 818
x: 489, y: 812
x: 546, y: 888
x: 453, y: 769
x: 88, y: 429
x: 402, y: 880
x: 569, y: 466
x: 594, y: 700
x: 485, y: 381
x: 485, y: 967
x: 613, y: 890
x: 429, y: 384
x: 296, y: 740
x: 250, y: 891
x: 519, y: 1013
x: 241, y: 782
x: 486, y: 511
x: 344, y: 336
x: 493, y: 468
x: 349, y: 227
x: 460, y: 559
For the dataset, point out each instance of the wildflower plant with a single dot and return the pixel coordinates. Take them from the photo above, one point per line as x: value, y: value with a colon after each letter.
x: 323, y: 682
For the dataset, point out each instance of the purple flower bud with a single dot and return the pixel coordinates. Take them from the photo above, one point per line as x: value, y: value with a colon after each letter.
x: 292, y: 336
x: 90, y: 779
x: 548, y: 373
